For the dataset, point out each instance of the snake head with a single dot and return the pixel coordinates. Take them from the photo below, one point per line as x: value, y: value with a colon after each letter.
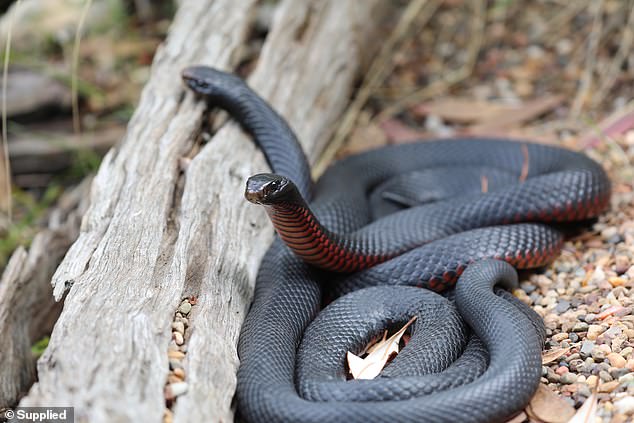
x: 207, y: 81
x: 269, y: 189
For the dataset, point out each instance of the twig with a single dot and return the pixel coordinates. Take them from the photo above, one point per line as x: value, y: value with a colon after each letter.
x: 377, y: 72
x: 5, y: 137
x: 593, y: 43
x: 74, y: 70
x: 621, y: 55
x: 452, y: 78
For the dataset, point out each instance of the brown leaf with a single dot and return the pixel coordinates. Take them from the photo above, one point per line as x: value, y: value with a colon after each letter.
x: 378, y: 355
x: 552, y: 355
x: 548, y: 407
x: 615, y: 125
x: 588, y: 411
x: 461, y: 110
x: 519, y: 115
x: 363, y: 138
x: 518, y: 418
x: 397, y: 132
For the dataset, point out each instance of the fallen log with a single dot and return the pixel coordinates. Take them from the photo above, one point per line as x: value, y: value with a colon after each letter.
x: 167, y: 219
x: 27, y: 309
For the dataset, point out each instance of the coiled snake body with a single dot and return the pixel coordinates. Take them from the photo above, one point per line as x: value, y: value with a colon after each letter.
x: 475, y: 360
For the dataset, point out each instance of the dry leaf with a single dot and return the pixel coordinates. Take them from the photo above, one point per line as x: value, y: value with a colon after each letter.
x: 397, y: 132
x: 363, y: 138
x: 461, y: 110
x: 614, y: 126
x: 378, y: 355
x: 519, y: 418
x: 520, y: 115
x: 552, y: 355
x: 588, y: 411
x: 548, y: 407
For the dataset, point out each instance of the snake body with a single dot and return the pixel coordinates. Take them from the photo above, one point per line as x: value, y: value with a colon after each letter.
x: 473, y: 355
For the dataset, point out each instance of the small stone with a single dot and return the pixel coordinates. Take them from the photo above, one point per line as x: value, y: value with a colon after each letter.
x: 552, y: 376
x: 573, y: 337
x: 581, y: 379
x: 175, y: 364
x: 608, y: 386
x: 178, y: 338
x: 583, y: 388
x: 616, y: 281
x: 622, y: 264
x: 179, y: 373
x: 630, y: 365
x: 562, y: 306
x: 175, y: 389
x: 560, y: 336
x: 586, y: 348
x: 625, y: 405
x: 175, y: 354
x: 605, y: 376
x: 592, y: 380
x: 573, y: 356
x: 598, y: 354
x: 178, y: 327
x: 568, y: 378
x: 626, y: 352
x: 609, y: 232
x: 590, y: 317
x: 544, y: 371
x: 617, y: 360
x: 580, y: 327
x: 617, y: 373
x: 185, y: 307
x: 561, y: 370
x: 594, y: 331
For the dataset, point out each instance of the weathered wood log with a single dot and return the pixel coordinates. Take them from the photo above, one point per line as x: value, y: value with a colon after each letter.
x: 167, y: 218
x: 27, y: 308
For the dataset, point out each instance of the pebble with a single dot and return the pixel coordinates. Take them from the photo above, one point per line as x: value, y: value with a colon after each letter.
x: 594, y: 331
x: 562, y: 306
x: 178, y: 338
x: 175, y: 364
x: 552, y: 376
x: 568, y: 378
x: 179, y: 373
x: 583, y: 389
x: 622, y: 264
x: 608, y: 386
x: 605, y: 376
x: 178, y: 327
x: 561, y: 370
x: 560, y: 336
x: 616, y: 360
x: 625, y: 405
x: 580, y: 327
x: 185, y: 307
x: 598, y: 354
x: 176, y: 389
x: 592, y: 381
x: 617, y: 373
x: 573, y: 337
x: 630, y: 365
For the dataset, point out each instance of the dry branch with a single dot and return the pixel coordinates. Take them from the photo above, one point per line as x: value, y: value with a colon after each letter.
x: 27, y: 308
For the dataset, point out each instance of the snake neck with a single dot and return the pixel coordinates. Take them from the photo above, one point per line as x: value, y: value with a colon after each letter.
x: 300, y: 230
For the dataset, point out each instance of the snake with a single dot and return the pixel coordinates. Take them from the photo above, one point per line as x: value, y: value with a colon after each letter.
x: 433, y: 230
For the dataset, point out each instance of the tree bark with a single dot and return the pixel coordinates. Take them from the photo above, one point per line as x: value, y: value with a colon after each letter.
x: 27, y: 309
x: 167, y: 218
